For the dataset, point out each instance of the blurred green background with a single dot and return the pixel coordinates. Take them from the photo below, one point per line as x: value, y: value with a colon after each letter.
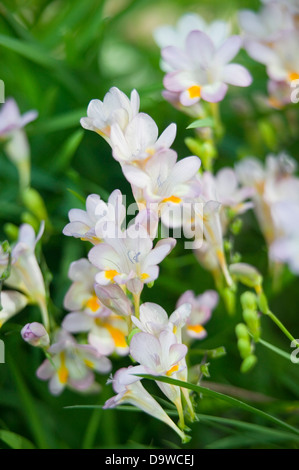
x: 55, y: 57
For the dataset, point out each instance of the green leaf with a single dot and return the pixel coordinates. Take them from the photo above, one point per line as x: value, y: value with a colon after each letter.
x: 15, y: 441
x: 60, y: 122
x: 221, y: 396
x: 207, y: 122
x: 66, y: 153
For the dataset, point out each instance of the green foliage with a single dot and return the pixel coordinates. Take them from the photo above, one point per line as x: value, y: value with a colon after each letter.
x: 55, y: 57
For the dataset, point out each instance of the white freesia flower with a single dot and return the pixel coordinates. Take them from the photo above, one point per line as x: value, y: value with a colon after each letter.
x: 130, y: 390
x: 115, y: 108
x: 25, y: 273
x: 139, y: 141
x: 128, y: 258
x: 98, y: 213
x: 12, y: 303
x: 160, y: 356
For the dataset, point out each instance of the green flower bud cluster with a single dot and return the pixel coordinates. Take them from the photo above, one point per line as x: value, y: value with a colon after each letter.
x: 251, y: 328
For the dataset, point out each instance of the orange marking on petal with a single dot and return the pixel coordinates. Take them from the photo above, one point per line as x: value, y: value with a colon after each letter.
x: 117, y: 336
x: 144, y: 276
x: 194, y: 91
x: 172, y: 370
x: 93, y: 303
x: 195, y: 328
x: 110, y: 274
x: 174, y: 199
x: 293, y: 76
x: 63, y: 372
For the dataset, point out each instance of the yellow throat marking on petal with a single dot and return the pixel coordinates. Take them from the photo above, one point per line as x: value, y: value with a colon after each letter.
x: 89, y: 363
x: 195, y: 328
x: 117, y: 336
x: 104, y: 132
x: 194, y: 91
x: 174, y: 199
x: 293, y: 76
x: 175, y: 329
x: 172, y: 370
x: 150, y: 151
x: 63, y: 372
x: 110, y: 274
x: 144, y: 276
x: 93, y: 303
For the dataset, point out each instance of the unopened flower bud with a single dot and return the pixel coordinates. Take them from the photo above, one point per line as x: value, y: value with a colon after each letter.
x: 241, y: 331
x: 249, y: 301
x: 252, y: 320
x: 248, y: 363
x: 35, y: 334
x: 246, y: 274
x: 34, y: 202
x: 244, y: 347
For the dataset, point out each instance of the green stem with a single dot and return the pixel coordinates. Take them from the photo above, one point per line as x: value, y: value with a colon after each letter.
x: 217, y: 120
x: 44, y: 312
x: 91, y: 429
x: 136, y: 304
x: 34, y: 418
x: 179, y: 407
x: 274, y: 349
x: 281, y: 326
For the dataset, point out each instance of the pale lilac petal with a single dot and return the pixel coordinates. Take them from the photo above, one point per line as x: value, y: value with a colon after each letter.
x: 228, y: 50
x: 175, y: 57
x: 237, y: 75
x: 104, y: 257
x: 145, y: 349
x: 167, y: 137
x: 77, y: 322
x: 45, y: 370
x: 200, y: 48
x: 214, y: 93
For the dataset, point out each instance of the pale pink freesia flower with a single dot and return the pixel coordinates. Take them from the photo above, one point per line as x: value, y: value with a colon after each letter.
x: 72, y: 364
x: 35, y: 334
x: 273, y: 183
x: 201, y: 312
x: 280, y: 58
x: 167, y: 35
x: 267, y: 25
x: 11, y: 119
x: 285, y: 249
x: 201, y: 70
